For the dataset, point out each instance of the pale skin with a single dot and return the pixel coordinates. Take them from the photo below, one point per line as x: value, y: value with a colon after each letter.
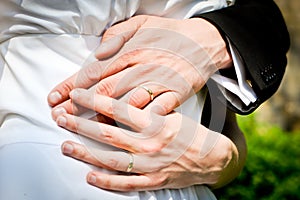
x: 173, y: 77
x: 213, y: 164
x: 182, y: 57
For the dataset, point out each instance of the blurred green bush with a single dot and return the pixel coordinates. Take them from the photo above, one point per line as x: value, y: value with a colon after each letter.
x: 272, y: 170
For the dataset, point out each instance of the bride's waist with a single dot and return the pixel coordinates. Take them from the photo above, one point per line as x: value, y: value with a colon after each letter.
x: 23, y: 129
x: 16, y: 128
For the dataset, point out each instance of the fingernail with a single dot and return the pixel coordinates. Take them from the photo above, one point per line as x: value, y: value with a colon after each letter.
x: 92, y: 179
x: 67, y: 148
x: 61, y: 121
x: 59, y: 111
x: 55, y: 97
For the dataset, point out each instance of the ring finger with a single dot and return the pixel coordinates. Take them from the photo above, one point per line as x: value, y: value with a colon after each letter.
x: 144, y: 94
x: 113, y: 160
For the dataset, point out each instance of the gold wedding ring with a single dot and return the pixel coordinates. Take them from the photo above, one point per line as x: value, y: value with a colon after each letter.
x: 130, y: 165
x: 149, y: 92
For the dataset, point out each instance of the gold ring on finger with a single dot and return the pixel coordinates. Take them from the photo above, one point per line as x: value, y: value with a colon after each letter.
x: 149, y: 92
x: 130, y: 165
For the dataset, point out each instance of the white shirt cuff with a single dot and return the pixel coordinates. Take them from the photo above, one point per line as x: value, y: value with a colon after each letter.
x: 240, y: 87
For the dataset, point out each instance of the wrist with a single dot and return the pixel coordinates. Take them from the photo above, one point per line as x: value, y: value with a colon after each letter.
x: 208, y: 36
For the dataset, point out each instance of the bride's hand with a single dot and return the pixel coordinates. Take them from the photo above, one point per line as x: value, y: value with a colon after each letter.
x: 169, y: 151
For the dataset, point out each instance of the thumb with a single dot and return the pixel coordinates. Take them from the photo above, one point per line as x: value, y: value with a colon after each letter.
x: 116, y: 36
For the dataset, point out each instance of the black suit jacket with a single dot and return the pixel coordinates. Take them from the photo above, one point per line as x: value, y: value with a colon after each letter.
x: 257, y: 30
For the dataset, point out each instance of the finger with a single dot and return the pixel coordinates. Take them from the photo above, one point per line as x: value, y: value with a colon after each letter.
x: 133, y: 23
x: 80, y: 152
x: 164, y: 103
x: 67, y: 107
x: 113, y: 160
x: 112, y: 135
x: 143, y: 94
x: 113, y: 39
x: 116, y: 36
x: 120, y: 111
x: 117, y: 84
x: 124, y: 182
x: 116, y: 160
x: 101, y: 132
x: 111, y: 46
x: 126, y: 80
x: 84, y: 78
x: 61, y: 92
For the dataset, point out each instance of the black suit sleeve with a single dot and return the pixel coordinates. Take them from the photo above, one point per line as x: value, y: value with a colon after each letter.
x: 257, y: 30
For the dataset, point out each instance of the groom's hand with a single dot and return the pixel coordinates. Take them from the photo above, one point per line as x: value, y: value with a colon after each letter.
x: 149, y: 59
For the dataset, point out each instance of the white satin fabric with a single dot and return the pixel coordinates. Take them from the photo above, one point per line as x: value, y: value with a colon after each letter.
x: 42, y: 43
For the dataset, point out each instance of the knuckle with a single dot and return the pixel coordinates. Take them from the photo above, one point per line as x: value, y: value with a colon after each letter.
x: 168, y: 134
x: 66, y: 87
x: 227, y: 150
x: 107, y: 136
x: 80, y: 153
x: 112, y: 32
x: 115, y: 111
x: 154, y: 147
x: 73, y: 124
x: 222, y: 158
x: 113, y: 163
x: 135, y: 100
x: 159, y: 146
x: 106, y: 183
x: 130, y: 187
x: 105, y: 88
x: 226, y: 156
x: 93, y: 72
x: 160, y: 181
x: 111, y: 110
x: 151, y: 124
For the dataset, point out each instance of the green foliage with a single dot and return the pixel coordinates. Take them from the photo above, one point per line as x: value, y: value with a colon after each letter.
x: 272, y: 170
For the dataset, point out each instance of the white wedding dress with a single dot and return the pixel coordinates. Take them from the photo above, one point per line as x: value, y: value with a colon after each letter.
x: 42, y: 42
